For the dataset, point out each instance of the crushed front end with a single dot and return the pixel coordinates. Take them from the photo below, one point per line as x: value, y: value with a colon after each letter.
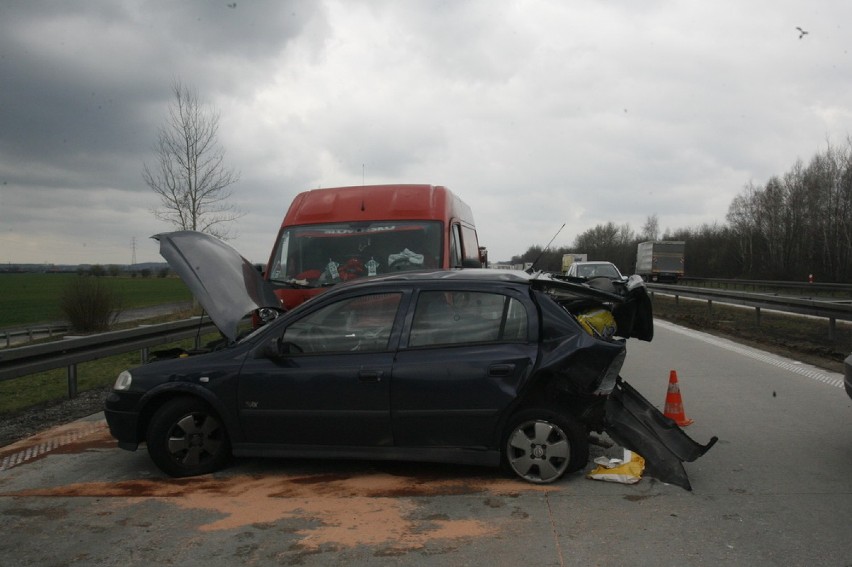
x: 584, y: 370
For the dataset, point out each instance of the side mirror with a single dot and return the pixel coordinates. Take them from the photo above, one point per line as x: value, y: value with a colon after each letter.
x: 270, y: 350
x: 278, y: 349
x: 471, y: 263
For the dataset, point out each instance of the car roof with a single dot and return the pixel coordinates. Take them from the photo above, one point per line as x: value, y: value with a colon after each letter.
x: 539, y: 280
x: 458, y: 275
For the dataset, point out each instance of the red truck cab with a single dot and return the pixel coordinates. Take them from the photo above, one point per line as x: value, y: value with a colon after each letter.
x: 333, y: 235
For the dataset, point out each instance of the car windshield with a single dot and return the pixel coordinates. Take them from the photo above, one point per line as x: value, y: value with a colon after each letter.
x: 597, y: 270
x: 318, y: 255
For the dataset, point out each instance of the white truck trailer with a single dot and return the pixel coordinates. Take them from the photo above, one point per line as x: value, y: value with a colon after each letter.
x: 660, y: 260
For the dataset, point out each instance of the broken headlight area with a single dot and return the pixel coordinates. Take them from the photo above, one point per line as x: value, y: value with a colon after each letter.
x: 585, y: 365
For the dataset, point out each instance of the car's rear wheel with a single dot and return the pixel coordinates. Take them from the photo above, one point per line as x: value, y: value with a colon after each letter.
x: 187, y: 438
x: 541, y: 445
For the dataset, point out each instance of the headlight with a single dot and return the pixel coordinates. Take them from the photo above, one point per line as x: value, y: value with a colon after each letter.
x: 267, y: 315
x: 123, y: 381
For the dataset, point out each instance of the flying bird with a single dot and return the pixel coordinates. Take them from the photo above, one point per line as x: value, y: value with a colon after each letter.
x: 802, y: 32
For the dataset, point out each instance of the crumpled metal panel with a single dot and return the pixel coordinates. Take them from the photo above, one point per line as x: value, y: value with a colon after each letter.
x: 633, y: 422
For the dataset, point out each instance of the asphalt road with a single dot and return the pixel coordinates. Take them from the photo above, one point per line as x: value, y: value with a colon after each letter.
x: 775, y: 490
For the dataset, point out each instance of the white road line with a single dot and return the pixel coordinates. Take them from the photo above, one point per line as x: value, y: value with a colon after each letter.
x: 830, y: 378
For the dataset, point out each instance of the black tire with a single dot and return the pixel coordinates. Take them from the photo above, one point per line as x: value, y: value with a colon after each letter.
x: 541, y: 444
x: 187, y: 438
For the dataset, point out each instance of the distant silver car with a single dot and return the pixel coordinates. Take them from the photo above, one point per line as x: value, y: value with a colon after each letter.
x: 588, y: 270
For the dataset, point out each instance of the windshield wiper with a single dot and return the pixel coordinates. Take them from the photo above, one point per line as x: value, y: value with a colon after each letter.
x: 295, y: 284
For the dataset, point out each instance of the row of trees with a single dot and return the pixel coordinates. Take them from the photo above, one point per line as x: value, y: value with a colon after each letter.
x: 800, y: 221
x: 797, y: 224
x: 114, y: 270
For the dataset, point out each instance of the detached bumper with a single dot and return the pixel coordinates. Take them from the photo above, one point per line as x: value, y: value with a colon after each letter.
x: 633, y: 422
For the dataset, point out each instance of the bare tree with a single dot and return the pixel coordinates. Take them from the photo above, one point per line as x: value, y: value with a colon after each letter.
x: 651, y: 228
x: 190, y: 177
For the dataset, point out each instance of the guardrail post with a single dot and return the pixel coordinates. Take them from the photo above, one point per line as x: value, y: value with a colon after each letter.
x: 757, y: 315
x: 144, y: 355
x: 832, y: 328
x: 72, y: 381
x: 709, y: 306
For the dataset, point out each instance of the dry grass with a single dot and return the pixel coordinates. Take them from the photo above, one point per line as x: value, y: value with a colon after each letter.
x: 798, y: 337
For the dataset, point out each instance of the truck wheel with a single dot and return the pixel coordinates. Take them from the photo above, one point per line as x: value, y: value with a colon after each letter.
x: 187, y: 438
x: 542, y: 444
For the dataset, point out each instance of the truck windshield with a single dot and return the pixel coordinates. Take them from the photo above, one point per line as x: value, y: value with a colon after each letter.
x: 318, y: 255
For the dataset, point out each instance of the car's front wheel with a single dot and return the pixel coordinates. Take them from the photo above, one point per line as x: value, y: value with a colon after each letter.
x: 187, y: 438
x: 541, y: 445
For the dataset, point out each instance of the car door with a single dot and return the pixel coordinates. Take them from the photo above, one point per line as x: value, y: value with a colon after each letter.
x: 465, y: 356
x: 329, y: 383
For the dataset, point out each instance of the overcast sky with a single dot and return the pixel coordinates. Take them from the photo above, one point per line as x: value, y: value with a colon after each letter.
x: 535, y: 112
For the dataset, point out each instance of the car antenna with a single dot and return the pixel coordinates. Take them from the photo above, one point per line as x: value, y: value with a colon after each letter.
x: 531, y: 269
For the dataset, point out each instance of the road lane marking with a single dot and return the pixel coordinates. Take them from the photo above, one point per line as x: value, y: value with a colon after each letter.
x: 831, y: 378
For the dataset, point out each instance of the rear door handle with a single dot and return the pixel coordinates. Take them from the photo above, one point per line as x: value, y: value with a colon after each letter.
x: 500, y: 370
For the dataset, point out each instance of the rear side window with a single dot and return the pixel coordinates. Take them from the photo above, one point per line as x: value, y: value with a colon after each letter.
x: 462, y: 317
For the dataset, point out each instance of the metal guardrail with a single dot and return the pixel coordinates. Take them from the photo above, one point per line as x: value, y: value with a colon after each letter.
x: 831, y: 310
x: 21, y: 361
x: 31, y: 333
x: 802, y: 288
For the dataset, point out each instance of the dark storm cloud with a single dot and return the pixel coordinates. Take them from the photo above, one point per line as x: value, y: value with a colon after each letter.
x: 84, y: 85
x: 536, y: 112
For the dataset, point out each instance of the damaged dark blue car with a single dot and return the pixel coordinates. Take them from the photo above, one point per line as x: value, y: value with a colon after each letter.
x: 485, y: 367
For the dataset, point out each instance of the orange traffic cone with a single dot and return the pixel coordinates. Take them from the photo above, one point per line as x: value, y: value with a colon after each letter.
x: 674, y: 404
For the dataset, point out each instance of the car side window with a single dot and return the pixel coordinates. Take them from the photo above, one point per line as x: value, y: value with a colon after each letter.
x: 361, y: 324
x: 461, y: 317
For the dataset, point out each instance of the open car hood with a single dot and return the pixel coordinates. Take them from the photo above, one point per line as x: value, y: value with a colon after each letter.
x: 226, y: 285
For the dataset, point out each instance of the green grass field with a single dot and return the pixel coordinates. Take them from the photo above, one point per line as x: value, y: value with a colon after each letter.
x: 27, y: 299
x: 30, y: 299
